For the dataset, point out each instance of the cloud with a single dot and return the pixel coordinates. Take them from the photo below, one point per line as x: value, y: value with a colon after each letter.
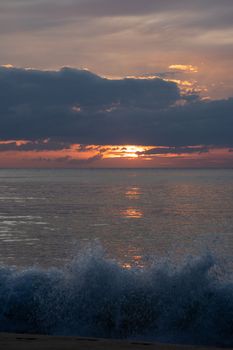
x: 82, y: 89
x: 182, y: 18
x: 37, y: 146
x: 174, y: 150
x: 77, y: 106
x: 69, y: 161
x: 112, y: 7
x: 184, y: 68
x: 121, y: 37
x: 40, y: 14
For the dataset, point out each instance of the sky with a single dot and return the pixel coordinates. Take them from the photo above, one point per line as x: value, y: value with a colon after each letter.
x: 106, y: 83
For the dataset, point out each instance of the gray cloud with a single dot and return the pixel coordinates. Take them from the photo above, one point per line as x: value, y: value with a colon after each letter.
x: 175, y: 150
x: 38, y: 145
x: 71, y: 161
x: 78, y: 106
x: 133, y: 36
x: 178, y: 15
x: 112, y: 7
x: 23, y: 89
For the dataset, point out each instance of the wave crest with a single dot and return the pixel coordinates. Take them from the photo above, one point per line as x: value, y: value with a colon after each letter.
x: 94, y: 296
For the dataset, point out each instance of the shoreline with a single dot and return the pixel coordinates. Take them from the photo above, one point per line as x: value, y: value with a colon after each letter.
x: 13, y: 341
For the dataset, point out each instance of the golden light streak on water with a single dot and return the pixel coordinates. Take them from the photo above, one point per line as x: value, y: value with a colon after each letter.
x: 132, y: 213
x: 133, y: 192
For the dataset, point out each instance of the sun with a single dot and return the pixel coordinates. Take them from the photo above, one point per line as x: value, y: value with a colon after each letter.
x: 125, y: 151
x: 131, y: 151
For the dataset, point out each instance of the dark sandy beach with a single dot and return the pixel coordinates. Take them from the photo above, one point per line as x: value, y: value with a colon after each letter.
x: 40, y: 342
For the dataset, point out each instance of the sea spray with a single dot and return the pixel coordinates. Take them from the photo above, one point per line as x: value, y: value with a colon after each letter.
x: 95, y: 296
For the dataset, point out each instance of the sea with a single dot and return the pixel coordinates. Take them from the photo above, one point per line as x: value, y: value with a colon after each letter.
x: 144, y: 254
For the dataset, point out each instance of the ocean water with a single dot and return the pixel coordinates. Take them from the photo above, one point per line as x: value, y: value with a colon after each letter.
x: 142, y: 254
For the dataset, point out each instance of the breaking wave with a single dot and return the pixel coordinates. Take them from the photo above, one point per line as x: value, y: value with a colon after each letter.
x: 95, y: 296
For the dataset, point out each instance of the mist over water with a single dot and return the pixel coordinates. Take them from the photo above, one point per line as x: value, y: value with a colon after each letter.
x: 162, y: 267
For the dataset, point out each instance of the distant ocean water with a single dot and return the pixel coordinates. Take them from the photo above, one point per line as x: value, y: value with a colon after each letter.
x: 118, y: 253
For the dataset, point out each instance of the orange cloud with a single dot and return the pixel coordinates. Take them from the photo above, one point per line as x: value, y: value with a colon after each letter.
x: 188, y: 68
x: 7, y: 66
x: 114, y: 156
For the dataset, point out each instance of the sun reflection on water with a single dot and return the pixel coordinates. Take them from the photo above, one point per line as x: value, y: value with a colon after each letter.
x: 135, y: 262
x: 132, y: 213
x: 133, y: 192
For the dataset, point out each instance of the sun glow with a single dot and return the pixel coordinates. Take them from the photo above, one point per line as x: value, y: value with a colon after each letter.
x: 131, y: 151
x: 125, y: 151
x: 7, y: 66
x: 56, y: 153
x: 184, y: 68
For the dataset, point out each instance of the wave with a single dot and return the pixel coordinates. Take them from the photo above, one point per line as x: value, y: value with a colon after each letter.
x: 94, y: 296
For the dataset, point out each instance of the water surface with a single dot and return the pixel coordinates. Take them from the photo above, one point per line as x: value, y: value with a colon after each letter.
x: 46, y: 215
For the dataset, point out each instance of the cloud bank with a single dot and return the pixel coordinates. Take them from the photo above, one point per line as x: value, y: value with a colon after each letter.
x: 77, y: 106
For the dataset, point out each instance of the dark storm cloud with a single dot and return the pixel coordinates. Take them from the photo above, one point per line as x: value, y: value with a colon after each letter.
x: 80, y: 107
